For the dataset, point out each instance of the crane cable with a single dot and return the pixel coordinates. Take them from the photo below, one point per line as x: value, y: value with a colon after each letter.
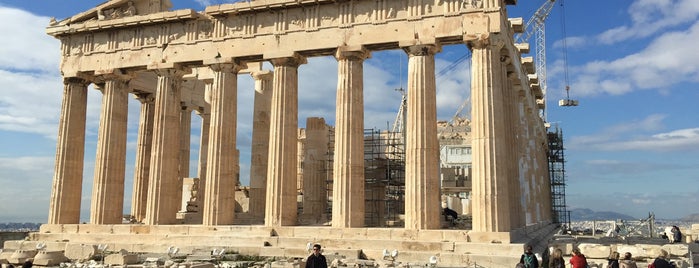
x: 565, y: 50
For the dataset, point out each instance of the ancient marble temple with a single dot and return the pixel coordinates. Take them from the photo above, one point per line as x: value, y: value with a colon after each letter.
x: 184, y: 63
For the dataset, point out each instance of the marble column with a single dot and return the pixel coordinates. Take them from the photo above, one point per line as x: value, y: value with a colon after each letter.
x: 490, y: 192
x: 66, y: 191
x: 205, y: 113
x: 144, y: 143
x: 315, y: 156
x: 530, y: 162
x: 348, y: 163
x: 219, y: 198
x: 543, y: 180
x: 422, y: 195
x: 260, y: 142
x: 110, y: 162
x: 510, y: 98
x: 164, y: 174
x: 281, y: 206
x: 185, y: 144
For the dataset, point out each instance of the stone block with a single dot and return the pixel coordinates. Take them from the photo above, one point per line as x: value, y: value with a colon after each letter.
x: 285, y: 264
x: 95, y: 229
x: 49, y: 258
x: 121, y: 259
x: 20, y: 256
x: 6, y: 254
x: 13, y: 244
x: 271, y: 252
x: 677, y: 250
x: 202, y: 265
x: 80, y: 251
x: 595, y: 251
x: 489, y: 237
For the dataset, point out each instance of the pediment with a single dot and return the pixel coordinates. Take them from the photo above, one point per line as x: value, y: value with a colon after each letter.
x: 115, y: 9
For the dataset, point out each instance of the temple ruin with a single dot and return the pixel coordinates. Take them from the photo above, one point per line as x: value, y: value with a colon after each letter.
x: 184, y: 63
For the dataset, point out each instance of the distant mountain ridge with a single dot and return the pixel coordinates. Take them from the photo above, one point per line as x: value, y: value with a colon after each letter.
x: 691, y: 218
x: 584, y: 214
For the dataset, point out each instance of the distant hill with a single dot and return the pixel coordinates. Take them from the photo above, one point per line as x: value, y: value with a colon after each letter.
x: 584, y: 214
x: 691, y: 218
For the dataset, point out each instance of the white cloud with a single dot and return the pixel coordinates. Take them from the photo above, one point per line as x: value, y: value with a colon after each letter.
x: 649, y: 17
x: 666, y: 61
x: 617, y: 138
x: 31, y: 49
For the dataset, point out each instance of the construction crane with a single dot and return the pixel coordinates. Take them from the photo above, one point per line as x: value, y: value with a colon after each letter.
x: 536, y: 26
x: 399, y: 122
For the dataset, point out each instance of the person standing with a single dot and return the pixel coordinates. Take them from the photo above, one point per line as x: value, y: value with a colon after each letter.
x: 627, y: 262
x: 613, y: 260
x: 316, y: 260
x: 528, y: 258
x: 556, y: 260
x: 578, y: 260
x: 676, y: 234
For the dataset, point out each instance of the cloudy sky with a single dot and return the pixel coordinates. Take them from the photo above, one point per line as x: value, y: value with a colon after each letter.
x: 632, y: 144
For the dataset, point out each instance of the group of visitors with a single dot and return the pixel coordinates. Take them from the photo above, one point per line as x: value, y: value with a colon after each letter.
x: 578, y: 260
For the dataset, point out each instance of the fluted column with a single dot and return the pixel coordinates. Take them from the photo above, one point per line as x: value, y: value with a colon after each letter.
x: 422, y: 196
x: 529, y: 150
x: 490, y: 182
x: 205, y: 113
x: 348, y: 164
x: 510, y: 99
x: 144, y: 143
x: 543, y: 180
x: 185, y: 144
x: 66, y: 191
x: 164, y: 174
x: 219, y: 199
x: 315, y: 156
x: 280, y: 207
x: 260, y: 142
x: 108, y: 187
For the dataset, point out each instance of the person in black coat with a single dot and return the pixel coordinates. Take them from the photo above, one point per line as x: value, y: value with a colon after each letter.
x: 316, y: 260
x: 662, y: 260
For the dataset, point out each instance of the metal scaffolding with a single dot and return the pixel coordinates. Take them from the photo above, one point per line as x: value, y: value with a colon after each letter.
x: 556, y: 157
x: 384, y: 178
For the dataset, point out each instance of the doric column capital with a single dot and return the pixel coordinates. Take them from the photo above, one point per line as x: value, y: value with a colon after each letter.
x: 144, y: 97
x: 422, y: 50
x: 292, y: 60
x: 185, y: 107
x: 352, y: 53
x: 231, y: 65
x: 203, y: 110
x: 262, y: 75
x: 83, y: 81
x: 485, y: 39
x: 114, y: 74
x: 174, y: 70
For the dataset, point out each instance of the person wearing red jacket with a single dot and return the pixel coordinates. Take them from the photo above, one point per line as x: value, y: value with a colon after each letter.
x: 578, y: 260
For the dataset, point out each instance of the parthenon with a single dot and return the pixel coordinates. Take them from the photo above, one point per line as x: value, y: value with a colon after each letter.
x: 178, y: 61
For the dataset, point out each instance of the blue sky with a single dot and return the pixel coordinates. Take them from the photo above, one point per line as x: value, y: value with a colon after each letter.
x: 632, y: 144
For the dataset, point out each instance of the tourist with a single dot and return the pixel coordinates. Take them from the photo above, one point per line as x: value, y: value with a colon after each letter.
x: 662, y: 260
x: 27, y: 264
x: 556, y: 260
x: 316, y: 260
x: 627, y: 262
x: 613, y: 260
x: 578, y: 260
x: 528, y: 258
x: 676, y: 234
x: 450, y: 212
